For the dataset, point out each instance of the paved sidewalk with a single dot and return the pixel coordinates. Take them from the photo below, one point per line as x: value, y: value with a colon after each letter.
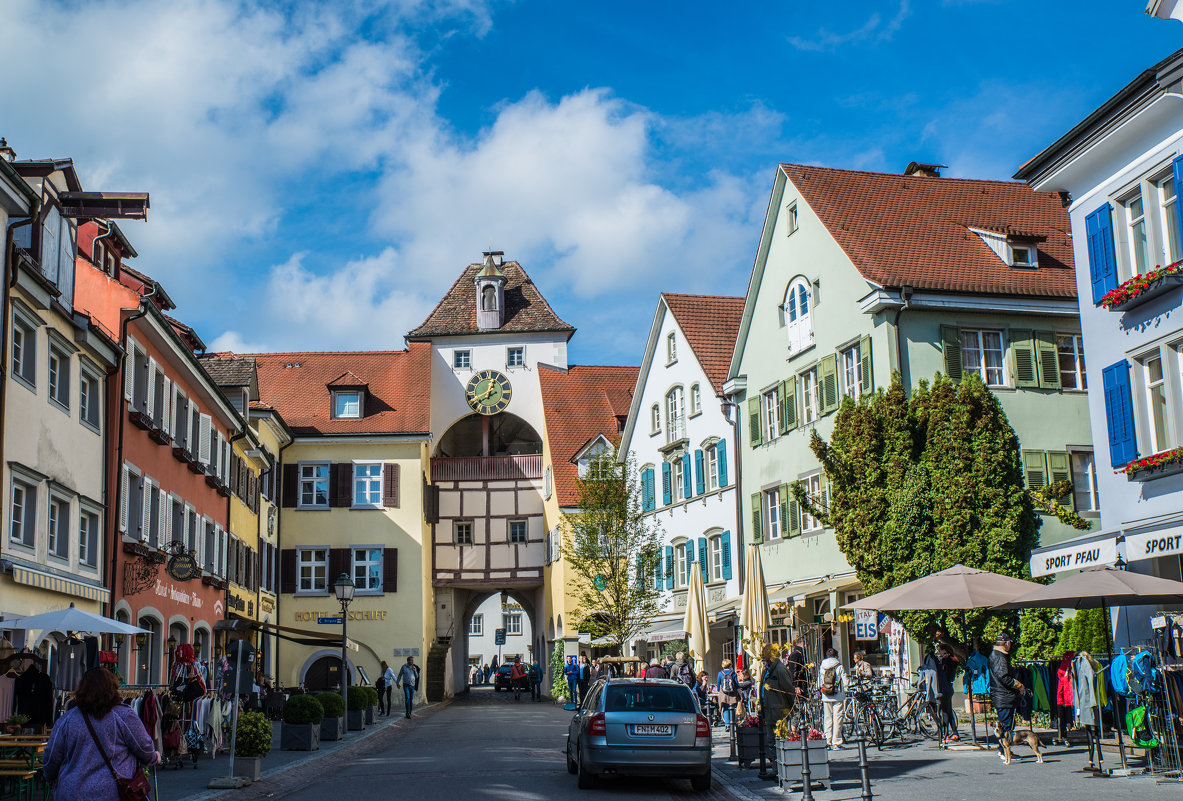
x: 921, y: 771
x: 189, y: 784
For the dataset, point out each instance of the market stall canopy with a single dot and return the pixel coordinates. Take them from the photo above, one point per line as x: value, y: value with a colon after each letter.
x: 957, y: 587
x: 1099, y: 587
x: 72, y: 619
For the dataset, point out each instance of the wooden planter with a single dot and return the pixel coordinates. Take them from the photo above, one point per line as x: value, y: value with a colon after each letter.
x: 332, y: 728
x: 299, y: 736
x: 788, y: 763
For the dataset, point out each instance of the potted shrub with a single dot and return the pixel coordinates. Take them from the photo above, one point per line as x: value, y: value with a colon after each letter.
x: 372, y: 709
x: 332, y: 726
x: 14, y: 723
x: 300, y: 730
x: 788, y: 756
x: 253, y: 742
x: 355, y: 716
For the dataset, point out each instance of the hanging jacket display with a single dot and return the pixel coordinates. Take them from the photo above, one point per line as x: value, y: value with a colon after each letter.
x: 1083, y: 689
x: 977, y: 674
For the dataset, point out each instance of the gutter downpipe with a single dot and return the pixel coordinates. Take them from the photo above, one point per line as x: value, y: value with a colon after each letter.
x: 740, y: 551
x: 113, y: 511
x: 905, y: 296
x: 10, y: 263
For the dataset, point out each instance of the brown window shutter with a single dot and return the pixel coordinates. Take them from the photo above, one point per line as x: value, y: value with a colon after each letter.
x: 340, y: 484
x: 287, y: 570
x: 390, y: 485
x: 340, y: 561
x: 291, y: 485
x: 390, y: 570
x: 431, y: 503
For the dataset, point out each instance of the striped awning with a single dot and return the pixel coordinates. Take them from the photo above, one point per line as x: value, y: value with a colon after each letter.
x: 48, y: 581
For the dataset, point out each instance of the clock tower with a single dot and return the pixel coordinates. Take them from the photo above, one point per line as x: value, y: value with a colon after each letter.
x: 489, y: 335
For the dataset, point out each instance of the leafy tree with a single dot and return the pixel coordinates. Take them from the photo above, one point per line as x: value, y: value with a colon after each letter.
x: 613, y: 552
x: 1088, y: 631
x: 674, y: 647
x: 920, y: 483
x: 558, y: 682
x: 1039, y: 633
x: 1066, y: 642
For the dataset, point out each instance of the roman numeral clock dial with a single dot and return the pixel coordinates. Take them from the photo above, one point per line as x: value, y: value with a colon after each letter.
x: 488, y: 392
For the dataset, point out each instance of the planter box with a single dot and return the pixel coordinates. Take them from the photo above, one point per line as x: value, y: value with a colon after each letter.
x: 1160, y: 287
x: 371, y: 715
x: 1150, y: 473
x: 788, y: 762
x: 299, y: 736
x: 250, y: 767
x: 747, y: 745
x: 332, y: 728
x: 356, y: 718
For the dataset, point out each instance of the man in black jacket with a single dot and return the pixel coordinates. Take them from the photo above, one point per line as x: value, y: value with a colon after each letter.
x: 1005, y: 689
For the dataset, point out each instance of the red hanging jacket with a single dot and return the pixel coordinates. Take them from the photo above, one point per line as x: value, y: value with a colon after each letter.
x: 1064, y: 680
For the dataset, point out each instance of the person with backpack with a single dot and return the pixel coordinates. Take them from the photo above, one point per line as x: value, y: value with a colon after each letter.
x: 832, y: 683
x: 728, y: 683
x: 682, y: 671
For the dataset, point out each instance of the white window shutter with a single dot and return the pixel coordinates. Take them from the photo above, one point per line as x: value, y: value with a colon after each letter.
x: 167, y: 413
x: 150, y: 402
x: 183, y: 534
x: 166, y: 519
x: 129, y: 371
x: 193, y: 438
x: 124, y: 488
x: 225, y: 460
x: 146, y: 517
x: 203, y: 441
x: 225, y: 550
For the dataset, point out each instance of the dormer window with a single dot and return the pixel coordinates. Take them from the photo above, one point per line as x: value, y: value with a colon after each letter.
x: 347, y: 404
x: 489, y: 298
x: 1022, y: 255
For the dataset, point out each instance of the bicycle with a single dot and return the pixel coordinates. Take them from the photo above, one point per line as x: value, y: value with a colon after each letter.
x: 916, y: 716
x: 860, y: 715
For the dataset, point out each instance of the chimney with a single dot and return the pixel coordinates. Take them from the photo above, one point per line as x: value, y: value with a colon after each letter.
x: 6, y: 152
x: 924, y: 170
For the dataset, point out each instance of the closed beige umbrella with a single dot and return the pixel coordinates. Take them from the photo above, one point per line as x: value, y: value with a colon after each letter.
x: 695, y: 623
x: 754, y: 615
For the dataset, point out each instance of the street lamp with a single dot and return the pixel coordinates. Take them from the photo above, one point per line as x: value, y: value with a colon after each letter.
x: 344, y: 588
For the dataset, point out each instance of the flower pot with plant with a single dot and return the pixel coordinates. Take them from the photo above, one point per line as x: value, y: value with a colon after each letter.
x: 789, y: 755
x: 14, y: 723
x: 747, y: 740
x: 372, y: 707
x: 358, y: 700
x: 252, y: 742
x: 332, y: 726
x: 300, y: 730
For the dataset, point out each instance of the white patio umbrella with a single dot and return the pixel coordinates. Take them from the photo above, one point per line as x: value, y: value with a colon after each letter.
x: 695, y: 623
x: 71, y: 619
x: 754, y: 614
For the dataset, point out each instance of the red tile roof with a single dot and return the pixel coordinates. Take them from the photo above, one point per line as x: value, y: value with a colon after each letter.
x: 525, y: 308
x: 914, y: 231
x: 398, y: 397
x: 711, y: 325
x: 579, y: 404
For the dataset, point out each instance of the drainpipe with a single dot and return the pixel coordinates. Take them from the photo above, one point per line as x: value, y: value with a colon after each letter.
x: 905, y: 296
x: 8, y: 285
x: 731, y: 410
x: 121, y: 368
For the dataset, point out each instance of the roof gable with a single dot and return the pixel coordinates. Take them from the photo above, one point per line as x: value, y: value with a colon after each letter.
x: 710, y: 324
x: 525, y: 308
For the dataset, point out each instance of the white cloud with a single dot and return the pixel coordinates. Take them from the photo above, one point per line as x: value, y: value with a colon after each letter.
x: 873, y: 30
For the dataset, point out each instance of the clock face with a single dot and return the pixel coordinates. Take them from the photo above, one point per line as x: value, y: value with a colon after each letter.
x: 488, y: 392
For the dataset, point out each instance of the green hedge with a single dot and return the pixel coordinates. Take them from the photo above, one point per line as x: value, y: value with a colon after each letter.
x: 301, y: 709
x: 359, y: 699
x: 333, y: 703
x: 254, y: 735
x: 373, y: 696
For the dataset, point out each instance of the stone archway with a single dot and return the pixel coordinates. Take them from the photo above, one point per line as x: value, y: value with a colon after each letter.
x: 324, y: 673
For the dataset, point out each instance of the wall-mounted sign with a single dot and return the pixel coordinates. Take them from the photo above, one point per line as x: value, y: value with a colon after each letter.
x: 1074, y: 555
x: 866, y: 624
x: 330, y: 621
x: 368, y: 614
x: 1151, y: 544
x: 183, y: 567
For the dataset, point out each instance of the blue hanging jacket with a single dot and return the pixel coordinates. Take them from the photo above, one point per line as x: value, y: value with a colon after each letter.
x: 977, y: 674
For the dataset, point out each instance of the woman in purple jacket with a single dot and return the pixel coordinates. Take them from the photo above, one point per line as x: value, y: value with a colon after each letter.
x: 73, y: 764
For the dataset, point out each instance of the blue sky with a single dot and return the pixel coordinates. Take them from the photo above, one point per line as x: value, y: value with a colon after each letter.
x: 320, y: 173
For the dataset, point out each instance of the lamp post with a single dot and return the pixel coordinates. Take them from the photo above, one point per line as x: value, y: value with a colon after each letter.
x: 172, y: 649
x: 344, y: 588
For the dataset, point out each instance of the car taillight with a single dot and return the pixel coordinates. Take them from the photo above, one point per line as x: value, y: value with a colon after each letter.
x: 702, y: 727
x: 596, y: 727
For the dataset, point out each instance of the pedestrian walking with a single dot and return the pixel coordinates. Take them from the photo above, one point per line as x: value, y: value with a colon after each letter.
x: 949, y: 668
x: 777, y: 696
x: 1005, y: 689
x: 408, y: 679
x: 799, y: 673
x: 536, y: 681
x: 585, y: 676
x: 487, y: 672
x: 517, y: 677
x: 571, y: 672
x: 728, y: 683
x: 656, y: 671
x: 832, y: 684
x: 98, y: 743
x: 386, y: 688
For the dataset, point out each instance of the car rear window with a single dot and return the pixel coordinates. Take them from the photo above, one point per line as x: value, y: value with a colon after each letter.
x: 648, y: 698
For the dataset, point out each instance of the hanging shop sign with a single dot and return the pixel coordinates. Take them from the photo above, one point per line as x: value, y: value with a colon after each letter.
x: 1152, y: 544
x: 866, y: 624
x: 183, y: 567
x: 1074, y: 555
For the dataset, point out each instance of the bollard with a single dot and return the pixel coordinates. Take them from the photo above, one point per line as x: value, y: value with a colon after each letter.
x: 763, y: 737
x: 806, y: 781
x: 864, y: 771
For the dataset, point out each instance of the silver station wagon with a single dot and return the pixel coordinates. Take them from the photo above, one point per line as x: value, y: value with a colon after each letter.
x: 640, y: 727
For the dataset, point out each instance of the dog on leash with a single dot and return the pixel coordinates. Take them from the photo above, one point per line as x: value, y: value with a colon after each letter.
x: 1009, y: 740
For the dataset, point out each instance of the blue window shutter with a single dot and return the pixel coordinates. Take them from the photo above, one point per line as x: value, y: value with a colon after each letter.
x: 1102, y: 256
x: 687, y: 477
x: 1177, y: 170
x: 702, y: 559
x: 669, y: 567
x: 722, y: 446
x: 647, y: 491
x: 700, y: 480
x: 667, y: 492
x: 1119, y: 413
x: 727, y: 555
x: 658, y: 575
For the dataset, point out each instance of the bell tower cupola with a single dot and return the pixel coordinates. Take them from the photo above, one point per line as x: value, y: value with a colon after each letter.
x: 490, y: 292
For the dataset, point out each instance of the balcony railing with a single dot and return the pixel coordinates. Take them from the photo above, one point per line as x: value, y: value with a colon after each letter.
x: 486, y: 468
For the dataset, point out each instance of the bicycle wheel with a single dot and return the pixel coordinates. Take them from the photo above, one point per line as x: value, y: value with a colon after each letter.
x: 928, y: 724
x: 870, y: 726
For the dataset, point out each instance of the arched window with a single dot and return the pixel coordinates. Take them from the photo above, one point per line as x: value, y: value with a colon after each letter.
x: 489, y: 298
x: 675, y: 414
x: 655, y: 419
x: 695, y: 399
x: 798, y: 317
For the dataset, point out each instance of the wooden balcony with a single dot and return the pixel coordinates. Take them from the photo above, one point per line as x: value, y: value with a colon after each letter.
x: 487, y: 468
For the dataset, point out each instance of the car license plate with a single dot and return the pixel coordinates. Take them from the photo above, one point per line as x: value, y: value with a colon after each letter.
x: 653, y: 730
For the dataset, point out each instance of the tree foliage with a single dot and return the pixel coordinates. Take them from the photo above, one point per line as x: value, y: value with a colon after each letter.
x: 612, y: 550
x: 558, y: 681
x: 920, y: 483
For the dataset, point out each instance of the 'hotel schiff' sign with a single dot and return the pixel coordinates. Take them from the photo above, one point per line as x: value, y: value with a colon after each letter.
x: 311, y: 617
